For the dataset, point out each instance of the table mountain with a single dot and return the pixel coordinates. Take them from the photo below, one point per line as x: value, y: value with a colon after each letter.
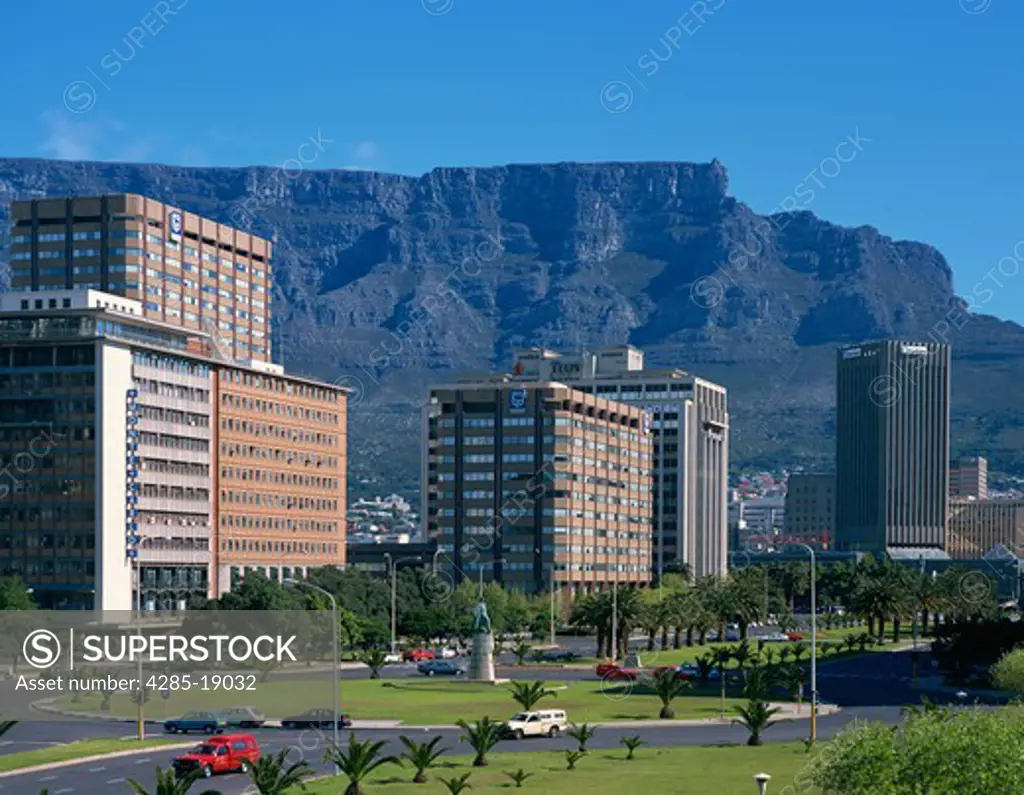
x: 391, y: 282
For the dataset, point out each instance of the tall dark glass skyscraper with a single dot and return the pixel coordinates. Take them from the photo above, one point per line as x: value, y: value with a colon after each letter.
x: 892, y: 446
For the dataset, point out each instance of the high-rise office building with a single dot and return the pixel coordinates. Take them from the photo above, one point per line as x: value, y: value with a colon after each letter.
x: 184, y: 269
x: 690, y: 424
x: 968, y: 478
x: 811, y: 509
x: 892, y: 446
x: 537, y: 486
x: 150, y: 454
x: 976, y: 527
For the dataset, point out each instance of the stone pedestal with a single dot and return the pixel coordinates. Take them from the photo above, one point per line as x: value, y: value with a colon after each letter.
x: 481, y: 663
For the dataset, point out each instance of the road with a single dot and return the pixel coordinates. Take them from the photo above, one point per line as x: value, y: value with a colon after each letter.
x: 869, y: 687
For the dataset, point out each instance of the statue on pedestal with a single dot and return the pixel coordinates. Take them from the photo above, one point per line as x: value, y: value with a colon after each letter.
x: 481, y: 663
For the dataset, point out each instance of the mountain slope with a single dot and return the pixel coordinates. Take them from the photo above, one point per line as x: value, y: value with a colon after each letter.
x: 391, y: 282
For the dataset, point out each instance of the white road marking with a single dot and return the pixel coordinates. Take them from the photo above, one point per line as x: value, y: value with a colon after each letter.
x: 116, y: 781
x: 99, y: 769
x: 62, y: 791
x: 142, y: 761
x: 48, y: 778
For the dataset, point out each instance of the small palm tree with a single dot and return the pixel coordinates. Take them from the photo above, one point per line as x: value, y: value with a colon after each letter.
x: 375, y: 659
x: 527, y: 694
x: 581, y: 733
x: 520, y: 651
x: 358, y: 760
x: 572, y: 757
x: 742, y: 654
x: 799, y: 650
x: 758, y: 682
x: 421, y: 756
x: 666, y: 686
x: 167, y: 783
x: 632, y: 743
x: 792, y: 678
x: 272, y: 775
x: 705, y: 665
x: 784, y: 653
x: 518, y: 777
x: 756, y: 716
x: 482, y: 736
x: 457, y: 784
x: 864, y: 639
x: 850, y: 642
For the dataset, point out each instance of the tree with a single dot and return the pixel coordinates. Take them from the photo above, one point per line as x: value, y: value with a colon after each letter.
x: 520, y: 651
x: 167, y: 783
x: 1008, y: 673
x: 632, y: 743
x: 375, y: 659
x: 572, y: 757
x: 421, y: 755
x: 758, y: 682
x: 527, y: 694
x: 667, y: 684
x: 272, y: 775
x: 457, y: 784
x: 705, y: 665
x: 14, y: 595
x: 722, y: 656
x: 588, y: 612
x: 482, y: 736
x: 358, y: 760
x: 581, y: 733
x: 518, y: 777
x: 756, y: 717
x: 792, y: 678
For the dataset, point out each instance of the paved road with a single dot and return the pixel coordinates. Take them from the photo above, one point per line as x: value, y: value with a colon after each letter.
x: 872, y: 687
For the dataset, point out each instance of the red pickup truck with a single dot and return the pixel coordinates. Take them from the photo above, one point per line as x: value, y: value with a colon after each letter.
x: 418, y: 655
x: 229, y: 753
x: 613, y: 671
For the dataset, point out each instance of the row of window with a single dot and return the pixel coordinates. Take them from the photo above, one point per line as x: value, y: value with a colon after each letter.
x: 280, y: 409
x: 160, y: 414
x: 164, y: 492
x: 279, y: 432
x: 281, y: 386
x: 279, y: 478
x: 289, y: 457
x: 279, y: 501
x: 172, y: 442
x: 245, y: 522
x: 287, y: 547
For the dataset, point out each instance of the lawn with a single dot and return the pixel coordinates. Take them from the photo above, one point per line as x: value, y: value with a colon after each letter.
x: 419, y: 701
x: 687, y: 771
x: 62, y: 753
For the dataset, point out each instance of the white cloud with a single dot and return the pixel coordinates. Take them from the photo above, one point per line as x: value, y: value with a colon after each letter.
x: 68, y: 140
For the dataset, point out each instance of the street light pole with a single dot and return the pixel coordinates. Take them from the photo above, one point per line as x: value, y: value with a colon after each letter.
x: 814, y: 645
x: 615, y: 618
x: 334, y: 646
x: 551, y: 587
x: 392, y: 567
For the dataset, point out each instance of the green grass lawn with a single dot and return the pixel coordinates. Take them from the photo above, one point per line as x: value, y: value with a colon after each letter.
x: 687, y: 771
x: 63, y: 753
x: 426, y: 701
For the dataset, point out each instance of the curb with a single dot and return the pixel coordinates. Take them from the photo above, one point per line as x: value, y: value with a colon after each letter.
x: 82, y: 760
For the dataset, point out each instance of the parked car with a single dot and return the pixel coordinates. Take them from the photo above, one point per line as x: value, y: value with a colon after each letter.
x: 544, y: 723
x: 691, y: 673
x: 448, y: 653
x: 245, y: 717
x: 232, y: 753
x: 614, y: 672
x: 417, y: 655
x: 439, y: 668
x: 774, y: 637
x: 558, y: 655
x: 317, y: 719
x: 795, y: 635
x: 209, y: 722
x: 393, y: 657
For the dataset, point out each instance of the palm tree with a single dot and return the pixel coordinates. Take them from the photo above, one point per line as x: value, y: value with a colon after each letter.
x: 793, y: 680
x: 572, y: 757
x: 527, y: 694
x: 722, y: 656
x: 758, y: 682
x: 457, y: 784
x: 632, y: 743
x: 581, y: 733
x: 482, y: 736
x: 705, y: 665
x: 375, y: 659
x: 756, y: 716
x: 421, y: 756
x: 589, y: 612
x: 518, y: 777
x: 666, y: 686
x: 520, y: 651
x: 272, y: 775
x: 358, y: 760
x: 742, y: 654
x: 167, y: 783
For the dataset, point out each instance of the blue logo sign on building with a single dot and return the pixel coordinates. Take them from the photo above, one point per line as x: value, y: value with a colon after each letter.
x: 174, y: 223
x: 517, y: 400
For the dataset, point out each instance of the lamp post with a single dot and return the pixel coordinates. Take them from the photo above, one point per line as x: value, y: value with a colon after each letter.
x: 390, y: 568
x: 814, y: 644
x: 551, y: 588
x: 914, y: 653
x: 334, y: 646
x: 615, y: 617
x: 762, y: 780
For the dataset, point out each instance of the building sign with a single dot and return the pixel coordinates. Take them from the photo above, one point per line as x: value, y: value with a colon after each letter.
x: 913, y: 350
x: 565, y: 369
x: 517, y: 400
x: 851, y: 353
x: 174, y: 223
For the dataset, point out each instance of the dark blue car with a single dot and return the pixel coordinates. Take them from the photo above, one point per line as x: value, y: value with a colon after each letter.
x: 439, y: 668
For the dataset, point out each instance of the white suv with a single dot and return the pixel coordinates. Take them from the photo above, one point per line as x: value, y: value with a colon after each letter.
x: 545, y: 723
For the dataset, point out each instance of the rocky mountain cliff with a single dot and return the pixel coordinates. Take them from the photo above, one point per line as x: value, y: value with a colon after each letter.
x: 391, y: 282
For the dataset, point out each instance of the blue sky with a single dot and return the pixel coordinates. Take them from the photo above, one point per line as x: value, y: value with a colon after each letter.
x: 931, y: 88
